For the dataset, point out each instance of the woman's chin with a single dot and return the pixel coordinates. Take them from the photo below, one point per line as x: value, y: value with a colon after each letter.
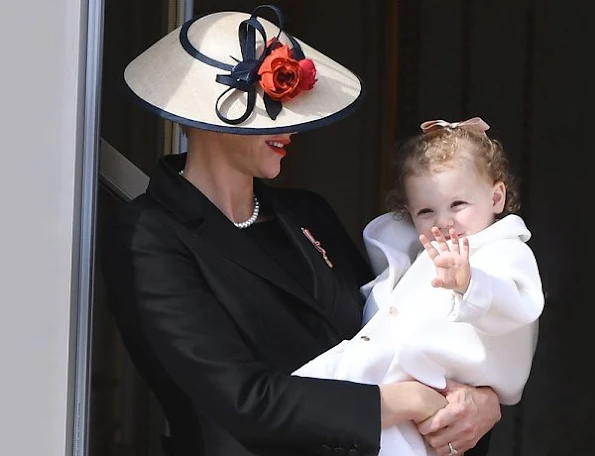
x: 270, y: 173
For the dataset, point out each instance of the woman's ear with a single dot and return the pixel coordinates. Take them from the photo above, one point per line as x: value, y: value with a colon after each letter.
x: 498, y: 197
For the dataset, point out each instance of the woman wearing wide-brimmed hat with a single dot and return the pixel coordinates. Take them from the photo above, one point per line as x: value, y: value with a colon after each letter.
x: 222, y: 286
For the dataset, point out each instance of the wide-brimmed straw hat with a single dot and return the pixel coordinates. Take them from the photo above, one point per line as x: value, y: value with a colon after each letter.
x: 238, y: 73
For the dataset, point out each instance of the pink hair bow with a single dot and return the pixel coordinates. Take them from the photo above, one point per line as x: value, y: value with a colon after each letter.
x: 474, y: 124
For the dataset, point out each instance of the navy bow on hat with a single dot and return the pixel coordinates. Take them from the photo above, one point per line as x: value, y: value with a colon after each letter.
x: 244, y: 74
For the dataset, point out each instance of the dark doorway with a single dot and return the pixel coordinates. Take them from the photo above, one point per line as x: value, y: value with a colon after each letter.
x: 125, y: 419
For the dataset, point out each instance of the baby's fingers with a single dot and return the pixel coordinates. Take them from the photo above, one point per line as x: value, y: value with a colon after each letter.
x: 440, y: 239
x: 454, y: 237
x: 437, y: 283
x: 465, y: 247
x: 432, y: 252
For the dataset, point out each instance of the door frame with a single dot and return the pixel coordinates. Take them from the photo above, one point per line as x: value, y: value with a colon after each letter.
x: 88, y: 203
x: 100, y: 163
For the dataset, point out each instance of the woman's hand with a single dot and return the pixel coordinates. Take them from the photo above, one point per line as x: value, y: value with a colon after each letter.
x: 470, y: 414
x: 452, y: 264
x: 409, y: 401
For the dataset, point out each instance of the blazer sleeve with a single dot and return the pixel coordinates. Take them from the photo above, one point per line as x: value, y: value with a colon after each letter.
x: 205, y: 353
x: 505, y: 292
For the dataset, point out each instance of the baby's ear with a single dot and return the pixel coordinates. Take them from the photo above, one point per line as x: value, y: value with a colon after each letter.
x: 499, y: 197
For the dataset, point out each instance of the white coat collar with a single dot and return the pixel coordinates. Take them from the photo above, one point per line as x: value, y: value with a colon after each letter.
x: 386, y: 234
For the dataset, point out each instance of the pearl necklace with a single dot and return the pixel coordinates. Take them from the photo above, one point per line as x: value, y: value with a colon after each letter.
x: 253, y: 217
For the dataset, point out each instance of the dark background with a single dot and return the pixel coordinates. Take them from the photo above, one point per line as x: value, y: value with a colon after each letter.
x: 524, y: 66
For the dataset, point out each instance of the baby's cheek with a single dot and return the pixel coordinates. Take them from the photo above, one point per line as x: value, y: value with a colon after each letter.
x: 425, y: 228
x: 471, y: 222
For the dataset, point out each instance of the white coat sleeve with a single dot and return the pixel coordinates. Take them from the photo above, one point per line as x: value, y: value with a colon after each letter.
x: 505, y: 292
x: 493, y: 340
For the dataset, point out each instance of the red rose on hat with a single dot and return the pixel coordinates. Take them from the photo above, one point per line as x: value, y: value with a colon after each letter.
x: 282, y: 77
x: 308, y: 74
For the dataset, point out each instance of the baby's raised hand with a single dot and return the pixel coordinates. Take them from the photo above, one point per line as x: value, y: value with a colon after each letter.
x: 452, y: 263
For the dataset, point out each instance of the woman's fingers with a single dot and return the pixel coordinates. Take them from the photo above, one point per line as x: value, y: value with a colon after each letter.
x: 470, y: 414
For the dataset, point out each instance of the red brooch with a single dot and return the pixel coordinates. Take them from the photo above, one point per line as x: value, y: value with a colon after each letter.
x: 317, y: 246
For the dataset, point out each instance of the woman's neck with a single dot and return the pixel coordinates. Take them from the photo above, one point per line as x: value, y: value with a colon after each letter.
x: 225, y: 186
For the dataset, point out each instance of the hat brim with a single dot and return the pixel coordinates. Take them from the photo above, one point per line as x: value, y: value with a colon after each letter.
x: 175, y: 85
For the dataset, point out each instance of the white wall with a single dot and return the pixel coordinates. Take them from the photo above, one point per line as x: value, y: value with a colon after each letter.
x: 40, y: 105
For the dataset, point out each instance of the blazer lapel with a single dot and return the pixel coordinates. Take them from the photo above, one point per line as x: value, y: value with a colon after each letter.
x: 323, y: 278
x: 324, y: 281
x: 302, y: 239
x: 222, y: 237
x: 216, y: 233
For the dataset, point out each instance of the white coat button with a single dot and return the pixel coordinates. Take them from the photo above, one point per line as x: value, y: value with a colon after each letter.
x: 366, y: 338
x: 393, y: 311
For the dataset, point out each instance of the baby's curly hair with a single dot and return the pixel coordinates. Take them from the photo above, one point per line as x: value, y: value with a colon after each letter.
x: 440, y: 148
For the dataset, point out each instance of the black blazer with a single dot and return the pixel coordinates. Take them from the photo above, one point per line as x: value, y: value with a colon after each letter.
x: 216, y: 326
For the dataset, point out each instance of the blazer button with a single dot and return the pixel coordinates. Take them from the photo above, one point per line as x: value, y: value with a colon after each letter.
x: 325, y: 449
x: 340, y: 451
x: 366, y: 338
x: 353, y: 452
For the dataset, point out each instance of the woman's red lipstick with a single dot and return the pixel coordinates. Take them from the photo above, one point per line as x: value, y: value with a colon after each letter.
x: 278, y: 145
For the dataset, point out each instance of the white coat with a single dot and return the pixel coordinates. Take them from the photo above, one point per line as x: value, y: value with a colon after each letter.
x: 486, y: 337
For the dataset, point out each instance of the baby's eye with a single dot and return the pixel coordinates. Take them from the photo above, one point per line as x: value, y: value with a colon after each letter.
x: 424, y: 211
x: 458, y: 204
